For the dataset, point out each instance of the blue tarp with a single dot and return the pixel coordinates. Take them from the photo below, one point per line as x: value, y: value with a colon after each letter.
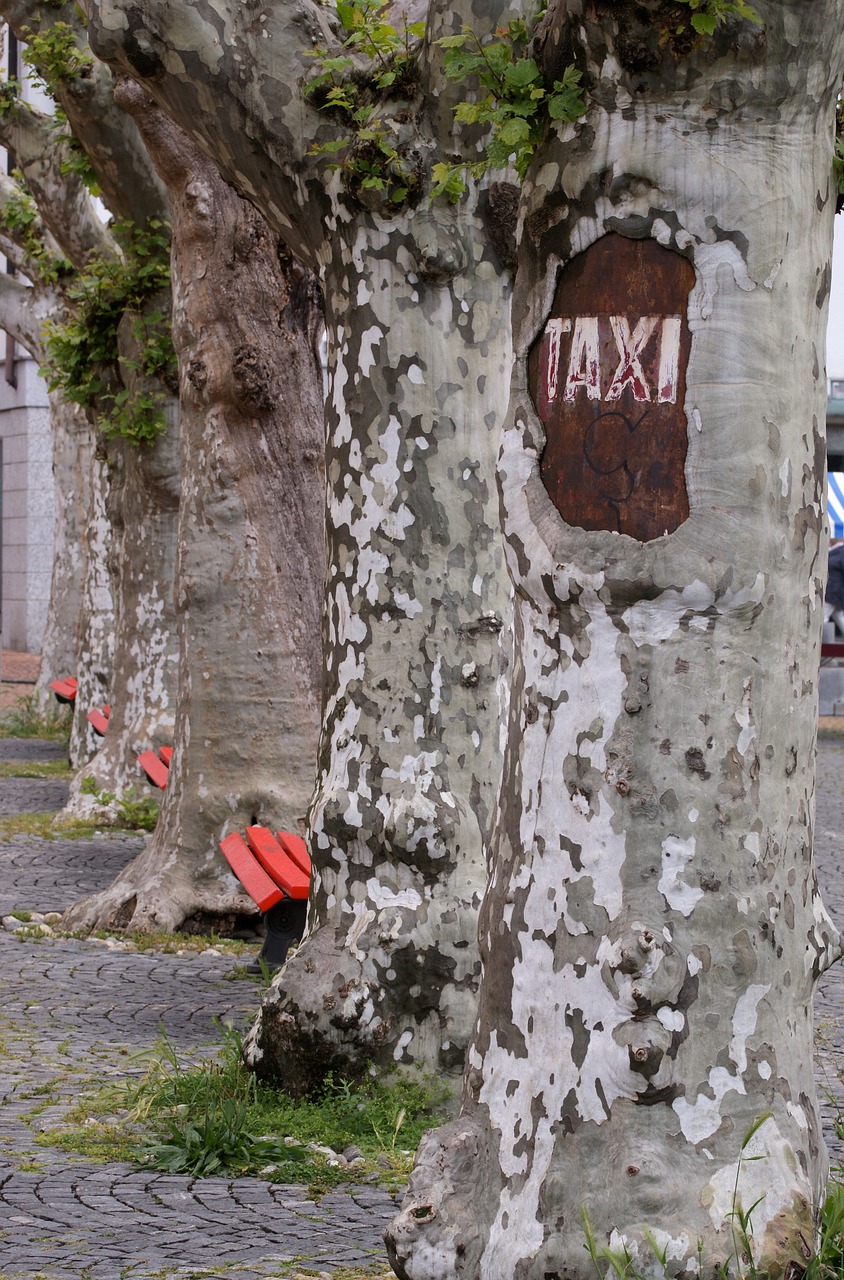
x: 835, y: 503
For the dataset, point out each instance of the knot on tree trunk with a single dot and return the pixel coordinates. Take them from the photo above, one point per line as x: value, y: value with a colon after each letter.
x: 500, y: 210
x: 252, y: 379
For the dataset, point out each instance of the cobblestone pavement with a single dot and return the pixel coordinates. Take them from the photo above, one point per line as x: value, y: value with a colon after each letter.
x: 74, y: 1011
x: 72, y: 1015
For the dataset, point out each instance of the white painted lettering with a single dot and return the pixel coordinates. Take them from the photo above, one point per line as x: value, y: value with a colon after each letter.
x: 554, y: 328
x: 584, y: 363
x: 669, y: 360
x: 630, y: 347
x: 585, y: 360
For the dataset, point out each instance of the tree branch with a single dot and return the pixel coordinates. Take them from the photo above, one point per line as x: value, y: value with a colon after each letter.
x: 24, y: 310
x: 19, y: 235
x: 40, y: 152
x: 236, y: 87
x: 129, y: 184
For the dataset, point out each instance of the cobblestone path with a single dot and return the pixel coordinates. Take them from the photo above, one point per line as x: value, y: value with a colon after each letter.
x: 76, y: 1011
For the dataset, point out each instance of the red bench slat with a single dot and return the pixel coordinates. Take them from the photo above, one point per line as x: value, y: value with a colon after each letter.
x: 294, y: 846
x: 154, y: 768
x: 65, y: 689
x: 277, y: 862
x: 833, y: 649
x: 98, y: 721
x: 166, y: 754
x: 250, y: 873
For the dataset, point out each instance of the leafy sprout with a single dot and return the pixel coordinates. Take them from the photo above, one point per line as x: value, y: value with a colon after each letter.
x: 514, y: 110
x: 708, y: 15
x: 83, y: 355
x: 370, y: 156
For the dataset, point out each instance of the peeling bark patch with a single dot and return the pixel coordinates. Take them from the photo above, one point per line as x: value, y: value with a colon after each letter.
x: 695, y: 763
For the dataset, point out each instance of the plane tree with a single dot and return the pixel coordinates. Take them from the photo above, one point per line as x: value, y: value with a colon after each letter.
x: 641, y: 1068
x: 250, y: 544
x: 86, y: 287
x: 417, y: 613
x: 245, y: 475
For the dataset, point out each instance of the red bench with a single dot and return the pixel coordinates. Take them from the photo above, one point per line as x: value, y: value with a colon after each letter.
x: 275, y: 870
x: 99, y: 719
x: 65, y: 689
x: 833, y: 649
x: 156, y: 767
x: 270, y: 867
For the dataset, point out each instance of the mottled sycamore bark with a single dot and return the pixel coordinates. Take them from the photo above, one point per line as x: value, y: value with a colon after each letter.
x: 141, y: 511
x: 653, y: 932
x: 417, y: 621
x: 74, y: 446
x: 250, y: 543
x: 95, y: 645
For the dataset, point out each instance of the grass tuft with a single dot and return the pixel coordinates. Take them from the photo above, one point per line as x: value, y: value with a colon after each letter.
x: 47, y: 826
x: 34, y: 769
x: 216, y: 1117
x: 26, y: 720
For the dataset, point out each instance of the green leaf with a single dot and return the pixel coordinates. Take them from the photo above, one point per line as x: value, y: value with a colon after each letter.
x: 522, y: 73
x: 515, y: 130
x: 498, y: 58
x: 704, y: 23
x: 566, y: 106
x: 330, y: 148
x: 417, y: 30
x: 448, y: 181
x: 346, y: 12
x: 453, y: 42
x: 469, y: 112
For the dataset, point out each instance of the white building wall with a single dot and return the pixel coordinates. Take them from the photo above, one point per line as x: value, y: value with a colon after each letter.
x: 28, y: 506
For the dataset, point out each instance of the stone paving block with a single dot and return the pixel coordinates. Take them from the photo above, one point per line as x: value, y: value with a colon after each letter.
x: 32, y: 795
x: 33, y: 749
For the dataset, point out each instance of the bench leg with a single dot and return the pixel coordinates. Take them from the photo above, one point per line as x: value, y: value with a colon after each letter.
x: 285, y: 925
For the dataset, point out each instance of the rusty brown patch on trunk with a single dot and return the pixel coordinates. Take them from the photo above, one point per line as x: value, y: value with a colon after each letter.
x: 608, y: 379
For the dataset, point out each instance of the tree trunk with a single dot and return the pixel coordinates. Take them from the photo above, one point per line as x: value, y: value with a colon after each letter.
x: 417, y: 633
x: 142, y: 511
x: 418, y: 608
x: 653, y: 932
x: 73, y: 460
x: 250, y: 544
x: 95, y: 647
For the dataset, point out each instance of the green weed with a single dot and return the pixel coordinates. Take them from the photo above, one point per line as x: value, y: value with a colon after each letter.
x: 47, y: 826
x: 162, y: 942
x: 26, y: 720
x: 826, y: 1263
x: 136, y: 814
x: 217, y: 1117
